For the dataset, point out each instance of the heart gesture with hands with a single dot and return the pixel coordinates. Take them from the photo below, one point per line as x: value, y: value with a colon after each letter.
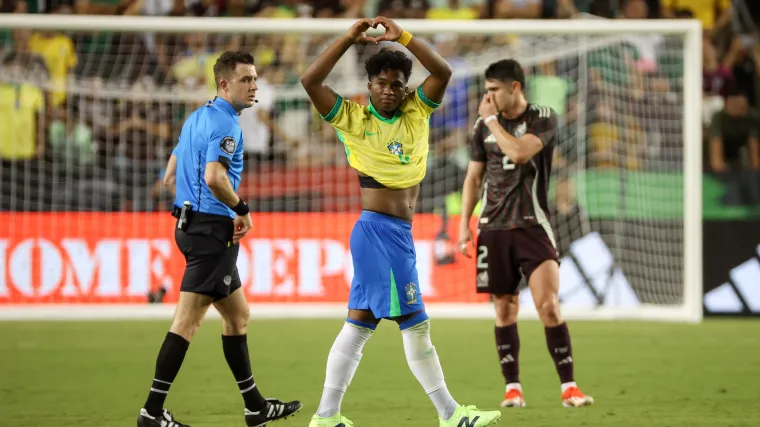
x: 357, y: 32
x: 392, y: 30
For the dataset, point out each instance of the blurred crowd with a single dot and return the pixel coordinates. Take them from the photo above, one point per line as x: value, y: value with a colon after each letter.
x: 87, y: 120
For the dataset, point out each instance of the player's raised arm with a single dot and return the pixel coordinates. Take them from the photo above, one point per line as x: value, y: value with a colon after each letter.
x: 435, y: 84
x: 313, y: 78
x: 519, y: 150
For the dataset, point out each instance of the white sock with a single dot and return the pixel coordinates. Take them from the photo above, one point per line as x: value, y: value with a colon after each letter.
x: 424, y: 363
x: 566, y: 386
x: 515, y: 386
x: 342, y: 362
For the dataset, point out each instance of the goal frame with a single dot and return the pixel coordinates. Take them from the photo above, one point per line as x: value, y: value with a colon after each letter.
x: 691, y: 311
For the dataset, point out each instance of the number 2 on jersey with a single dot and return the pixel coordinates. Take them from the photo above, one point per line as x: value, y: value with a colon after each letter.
x: 506, y: 164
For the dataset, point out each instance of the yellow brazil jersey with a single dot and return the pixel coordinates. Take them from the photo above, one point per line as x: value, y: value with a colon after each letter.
x: 60, y: 58
x: 19, y: 105
x: 392, y: 151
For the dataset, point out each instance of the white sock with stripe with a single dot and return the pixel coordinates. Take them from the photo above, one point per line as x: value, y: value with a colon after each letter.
x: 342, y: 363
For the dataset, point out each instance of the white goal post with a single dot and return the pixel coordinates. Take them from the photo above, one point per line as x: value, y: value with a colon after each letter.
x: 632, y: 249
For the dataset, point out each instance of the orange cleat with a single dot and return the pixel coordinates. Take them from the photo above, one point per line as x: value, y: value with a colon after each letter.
x: 573, y: 397
x: 513, y: 398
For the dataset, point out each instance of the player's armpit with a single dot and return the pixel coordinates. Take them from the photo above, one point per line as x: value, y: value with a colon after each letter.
x: 323, y: 98
x: 434, y: 88
x: 347, y: 117
x: 421, y: 102
x: 435, y: 84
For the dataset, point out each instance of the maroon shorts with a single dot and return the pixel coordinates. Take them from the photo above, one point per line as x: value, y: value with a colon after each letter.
x: 505, y: 256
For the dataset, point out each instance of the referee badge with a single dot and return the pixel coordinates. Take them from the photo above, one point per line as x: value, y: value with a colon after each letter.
x: 228, y: 145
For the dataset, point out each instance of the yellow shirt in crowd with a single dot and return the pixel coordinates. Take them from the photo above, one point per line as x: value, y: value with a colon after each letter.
x: 19, y: 105
x: 60, y: 58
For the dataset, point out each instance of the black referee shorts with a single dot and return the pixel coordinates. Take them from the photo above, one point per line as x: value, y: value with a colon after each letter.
x: 210, y: 256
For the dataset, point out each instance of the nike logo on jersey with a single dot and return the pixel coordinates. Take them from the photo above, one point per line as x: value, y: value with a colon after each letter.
x: 370, y: 133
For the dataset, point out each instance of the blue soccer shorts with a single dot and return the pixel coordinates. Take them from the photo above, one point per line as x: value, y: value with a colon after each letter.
x: 385, y: 267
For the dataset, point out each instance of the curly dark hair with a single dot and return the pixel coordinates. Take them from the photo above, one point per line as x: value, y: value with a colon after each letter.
x: 227, y: 63
x: 388, y: 59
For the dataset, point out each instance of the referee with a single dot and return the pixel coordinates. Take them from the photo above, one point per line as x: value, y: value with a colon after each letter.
x: 211, y: 220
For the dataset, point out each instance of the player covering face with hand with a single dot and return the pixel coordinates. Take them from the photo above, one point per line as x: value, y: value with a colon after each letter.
x: 386, y: 141
x: 511, y: 161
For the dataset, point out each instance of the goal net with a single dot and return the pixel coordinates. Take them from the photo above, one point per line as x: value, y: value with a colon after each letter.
x: 91, y: 108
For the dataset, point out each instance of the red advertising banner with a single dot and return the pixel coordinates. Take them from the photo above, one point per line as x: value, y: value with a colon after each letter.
x: 120, y: 257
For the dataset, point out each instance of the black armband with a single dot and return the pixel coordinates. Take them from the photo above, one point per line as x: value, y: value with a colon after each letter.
x: 241, y: 209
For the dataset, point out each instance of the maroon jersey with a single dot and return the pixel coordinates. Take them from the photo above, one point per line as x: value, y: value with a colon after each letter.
x: 516, y: 195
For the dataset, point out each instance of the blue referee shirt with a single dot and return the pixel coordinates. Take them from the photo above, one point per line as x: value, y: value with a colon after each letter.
x: 210, y: 134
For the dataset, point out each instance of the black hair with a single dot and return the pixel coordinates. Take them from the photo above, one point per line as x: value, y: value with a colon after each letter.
x: 388, y: 59
x: 506, y: 70
x: 227, y: 63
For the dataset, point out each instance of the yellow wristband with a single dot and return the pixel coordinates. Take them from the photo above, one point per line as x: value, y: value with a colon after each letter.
x: 405, y: 38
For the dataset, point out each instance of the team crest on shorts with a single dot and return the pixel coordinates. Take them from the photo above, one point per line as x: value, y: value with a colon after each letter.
x: 227, y: 280
x: 411, y: 294
x: 228, y: 145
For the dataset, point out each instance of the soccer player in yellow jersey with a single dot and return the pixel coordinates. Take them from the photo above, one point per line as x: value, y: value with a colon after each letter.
x: 387, y: 143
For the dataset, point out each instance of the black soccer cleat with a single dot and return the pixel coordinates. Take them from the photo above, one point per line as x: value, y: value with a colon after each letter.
x: 275, y: 410
x: 166, y: 419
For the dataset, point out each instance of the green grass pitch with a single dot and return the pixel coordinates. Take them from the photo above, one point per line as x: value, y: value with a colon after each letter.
x: 93, y: 374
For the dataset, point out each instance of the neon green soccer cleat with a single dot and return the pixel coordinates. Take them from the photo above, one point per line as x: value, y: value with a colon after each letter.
x: 336, y: 420
x: 470, y: 416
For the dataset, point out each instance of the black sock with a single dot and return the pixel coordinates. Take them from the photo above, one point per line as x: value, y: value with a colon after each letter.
x: 236, y: 352
x: 169, y: 361
x: 558, y: 342
x: 508, y: 347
